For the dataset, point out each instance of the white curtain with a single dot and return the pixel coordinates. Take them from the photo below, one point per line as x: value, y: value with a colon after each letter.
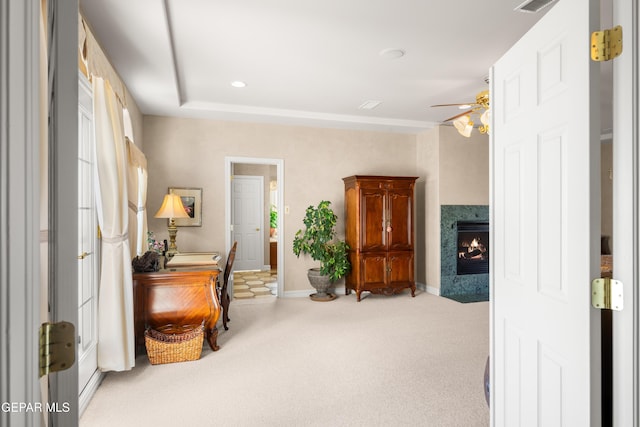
x: 137, y: 190
x: 115, y: 310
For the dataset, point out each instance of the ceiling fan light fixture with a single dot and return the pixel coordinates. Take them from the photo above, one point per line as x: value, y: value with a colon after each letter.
x: 485, y: 118
x: 464, y: 125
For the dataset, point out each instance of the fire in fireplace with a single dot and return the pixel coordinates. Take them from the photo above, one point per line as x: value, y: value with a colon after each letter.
x: 473, y: 247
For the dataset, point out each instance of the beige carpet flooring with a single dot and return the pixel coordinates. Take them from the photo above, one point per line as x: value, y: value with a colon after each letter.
x: 254, y: 284
x: 385, y: 361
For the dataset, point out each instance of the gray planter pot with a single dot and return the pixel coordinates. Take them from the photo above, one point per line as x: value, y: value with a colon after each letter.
x: 322, y: 284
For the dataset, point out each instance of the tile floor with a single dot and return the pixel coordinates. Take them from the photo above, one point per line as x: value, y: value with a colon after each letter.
x: 254, y: 284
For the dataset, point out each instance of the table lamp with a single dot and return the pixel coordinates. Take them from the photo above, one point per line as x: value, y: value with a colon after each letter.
x: 172, y: 208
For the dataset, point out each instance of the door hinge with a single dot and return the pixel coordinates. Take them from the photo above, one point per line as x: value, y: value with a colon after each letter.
x: 606, y: 44
x: 606, y: 294
x: 57, y: 347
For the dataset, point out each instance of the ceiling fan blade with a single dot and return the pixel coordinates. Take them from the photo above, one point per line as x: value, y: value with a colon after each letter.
x: 453, y: 105
x: 458, y: 115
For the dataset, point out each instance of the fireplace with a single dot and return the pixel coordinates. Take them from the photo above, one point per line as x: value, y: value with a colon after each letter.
x: 463, y: 219
x: 473, y: 247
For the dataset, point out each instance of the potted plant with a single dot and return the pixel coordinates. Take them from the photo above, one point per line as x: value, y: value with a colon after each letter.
x: 318, y: 241
x: 273, y: 220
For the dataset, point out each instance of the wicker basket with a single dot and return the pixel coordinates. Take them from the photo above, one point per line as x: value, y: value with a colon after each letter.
x: 171, y: 343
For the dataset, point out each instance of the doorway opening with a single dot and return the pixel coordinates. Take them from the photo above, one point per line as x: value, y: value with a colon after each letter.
x: 263, y: 248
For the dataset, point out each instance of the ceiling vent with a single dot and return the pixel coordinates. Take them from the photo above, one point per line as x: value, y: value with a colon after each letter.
x: 533, y: 6
x: 369, y: 105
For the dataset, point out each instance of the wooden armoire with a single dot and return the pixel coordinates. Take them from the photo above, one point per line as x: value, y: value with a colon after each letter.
x: 379, y: 228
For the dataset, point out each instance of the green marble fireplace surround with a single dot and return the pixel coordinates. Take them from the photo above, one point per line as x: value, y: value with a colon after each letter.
x: 450, y: 282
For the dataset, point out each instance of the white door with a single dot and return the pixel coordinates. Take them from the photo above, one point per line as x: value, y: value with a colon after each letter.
x: 626, y: 199
x: 546, y: 224
x: 63, y: 196
x: 248, y: 221
x: 87, y: 327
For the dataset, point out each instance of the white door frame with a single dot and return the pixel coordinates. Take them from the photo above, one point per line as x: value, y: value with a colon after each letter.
x: 626, y: 216
x: 279, y: 163
x: 19, y: 208
x: 87, y: 389
x: 20, y: 165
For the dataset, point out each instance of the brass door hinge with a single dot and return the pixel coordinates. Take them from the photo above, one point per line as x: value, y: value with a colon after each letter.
x: 606, y: 294
x: 57, y: 347
x: 606, y: 44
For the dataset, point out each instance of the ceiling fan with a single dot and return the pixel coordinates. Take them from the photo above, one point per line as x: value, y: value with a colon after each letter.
x: 463, y: 122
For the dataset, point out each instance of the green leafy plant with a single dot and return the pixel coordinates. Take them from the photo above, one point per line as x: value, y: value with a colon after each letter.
x: 318, y: 241
x: 273, y: 217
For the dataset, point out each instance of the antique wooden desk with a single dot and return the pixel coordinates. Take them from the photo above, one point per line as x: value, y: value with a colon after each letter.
x: 181, y: 297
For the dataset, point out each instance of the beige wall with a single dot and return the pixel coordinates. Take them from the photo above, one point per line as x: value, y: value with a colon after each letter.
x: 191, y: 152
x: 464, y: 168
x: 429, y: 171
x: 456, y: 172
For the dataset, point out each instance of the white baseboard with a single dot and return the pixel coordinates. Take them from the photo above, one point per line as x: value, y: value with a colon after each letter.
x: 89, y: 390
x: 339, y: 290
x: 433, y: 291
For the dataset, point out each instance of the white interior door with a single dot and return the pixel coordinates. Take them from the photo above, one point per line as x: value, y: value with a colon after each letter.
x: 63, y: 196
x: 248, y: 221
x: 626, y: 211
x: 87, y: 246
x: 546, y: 224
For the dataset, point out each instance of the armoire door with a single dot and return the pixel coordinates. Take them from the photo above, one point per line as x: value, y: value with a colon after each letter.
x: 372, y: 216
x: 399, y: 224
x: 374, y: 270
x: 400, y: 266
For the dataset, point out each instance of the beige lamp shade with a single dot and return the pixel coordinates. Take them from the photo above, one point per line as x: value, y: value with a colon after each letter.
x: 172, y: 207
x: 464, y: 125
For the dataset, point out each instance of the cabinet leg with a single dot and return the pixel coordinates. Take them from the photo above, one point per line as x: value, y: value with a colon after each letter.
x: 358, y: 296
x: 413, y: 291
x: 212, y: 338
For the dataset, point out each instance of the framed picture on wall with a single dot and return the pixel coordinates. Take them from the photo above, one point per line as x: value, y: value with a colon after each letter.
x: 192, y: 201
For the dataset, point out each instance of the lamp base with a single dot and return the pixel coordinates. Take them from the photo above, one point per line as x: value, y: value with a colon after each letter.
x: 173, y: 248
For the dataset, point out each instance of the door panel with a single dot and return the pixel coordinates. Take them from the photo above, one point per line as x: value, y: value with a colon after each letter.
x: 373, y: 220
x: 545, y: 208
x: 401, y: 264
x: 248, y: 220
x: 400, y: 210
x: 374, y: 270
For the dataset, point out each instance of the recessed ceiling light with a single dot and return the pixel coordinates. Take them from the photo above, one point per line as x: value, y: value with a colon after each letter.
x: 392, y: 53
x: 238, y: 83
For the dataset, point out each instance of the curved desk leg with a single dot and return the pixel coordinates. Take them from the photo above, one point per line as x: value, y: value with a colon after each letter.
x: 212, y: 338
